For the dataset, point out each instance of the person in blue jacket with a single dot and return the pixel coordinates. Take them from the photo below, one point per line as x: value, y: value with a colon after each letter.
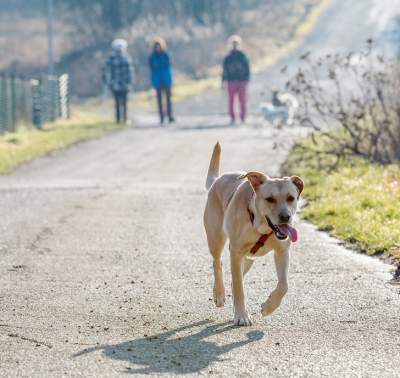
x: 161, y: 77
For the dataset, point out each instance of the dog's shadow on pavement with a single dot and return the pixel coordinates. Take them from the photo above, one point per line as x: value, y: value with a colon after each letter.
x: 169, y: 352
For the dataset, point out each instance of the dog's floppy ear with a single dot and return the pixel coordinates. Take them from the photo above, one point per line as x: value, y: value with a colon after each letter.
x: 255, y: 179
x: 298, y: 182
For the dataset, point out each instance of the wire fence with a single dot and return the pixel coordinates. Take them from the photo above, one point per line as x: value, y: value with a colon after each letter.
x: 32, y: 103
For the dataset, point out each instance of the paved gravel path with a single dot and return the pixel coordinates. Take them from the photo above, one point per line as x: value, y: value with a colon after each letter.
x: 104, y: 268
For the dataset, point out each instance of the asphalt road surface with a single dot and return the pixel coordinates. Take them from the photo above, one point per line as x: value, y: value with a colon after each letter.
x: 105, y: 271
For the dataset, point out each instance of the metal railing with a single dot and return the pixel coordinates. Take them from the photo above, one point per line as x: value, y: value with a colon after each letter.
x: 32, y: 103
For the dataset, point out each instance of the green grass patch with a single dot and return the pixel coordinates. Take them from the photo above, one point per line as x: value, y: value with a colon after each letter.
x: 356, y: 202
x: 27, y: 144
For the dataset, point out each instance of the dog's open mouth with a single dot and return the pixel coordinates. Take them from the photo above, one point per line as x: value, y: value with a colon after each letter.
x: 284, y: 231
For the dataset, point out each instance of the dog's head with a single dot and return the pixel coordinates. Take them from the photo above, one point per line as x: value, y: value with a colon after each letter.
x: 276, y: 200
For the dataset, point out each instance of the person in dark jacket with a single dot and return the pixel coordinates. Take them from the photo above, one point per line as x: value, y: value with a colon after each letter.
x: 161, y: 77
x: 118, y: 76
x: 236, y: 72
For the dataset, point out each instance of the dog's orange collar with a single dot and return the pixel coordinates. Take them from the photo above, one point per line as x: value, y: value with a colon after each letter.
x: 260, y: 242
x: 263, y: 238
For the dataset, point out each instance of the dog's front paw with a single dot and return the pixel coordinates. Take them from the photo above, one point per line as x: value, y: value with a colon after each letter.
x: 219, y: 296
x: 243, y: 320
x: 274, y: 300
x: 269, y: 306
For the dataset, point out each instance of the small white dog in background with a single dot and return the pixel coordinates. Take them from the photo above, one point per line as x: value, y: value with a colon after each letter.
x: 281, y: 109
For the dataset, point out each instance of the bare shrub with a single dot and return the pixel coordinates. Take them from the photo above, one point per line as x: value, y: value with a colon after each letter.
x: 359, y: 93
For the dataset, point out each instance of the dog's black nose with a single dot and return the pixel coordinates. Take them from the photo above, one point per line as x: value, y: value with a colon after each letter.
x: 284, y: 218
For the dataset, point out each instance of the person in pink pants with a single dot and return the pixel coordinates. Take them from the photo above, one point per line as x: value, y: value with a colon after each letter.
x: 236, y: 73
x: 237, y: 89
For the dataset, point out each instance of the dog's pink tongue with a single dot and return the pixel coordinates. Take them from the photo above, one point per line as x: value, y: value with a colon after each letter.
x: 289, y: 231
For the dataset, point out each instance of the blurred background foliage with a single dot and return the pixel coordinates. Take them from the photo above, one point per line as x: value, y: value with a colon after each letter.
x: 196, y: 32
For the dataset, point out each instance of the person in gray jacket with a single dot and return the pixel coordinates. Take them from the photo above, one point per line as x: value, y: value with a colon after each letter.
x: 118, y: 76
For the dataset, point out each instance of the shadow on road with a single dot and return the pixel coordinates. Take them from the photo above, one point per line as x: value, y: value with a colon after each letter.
x: 204, y: 127
x: 168, y: 352
x: 181, y: 127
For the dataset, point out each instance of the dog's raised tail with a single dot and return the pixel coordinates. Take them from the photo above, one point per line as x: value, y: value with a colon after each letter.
x: 213, y: 170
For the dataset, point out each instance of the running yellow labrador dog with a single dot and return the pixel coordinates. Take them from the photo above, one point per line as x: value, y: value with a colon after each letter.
x: 255, y: 213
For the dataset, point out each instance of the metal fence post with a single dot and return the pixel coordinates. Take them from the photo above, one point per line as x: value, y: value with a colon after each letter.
x: 36, y: 104
x: 24, y: 114
x: 7, y: 104
x: 52, y: 98
x: 13, y: 104
x: 3, y: 114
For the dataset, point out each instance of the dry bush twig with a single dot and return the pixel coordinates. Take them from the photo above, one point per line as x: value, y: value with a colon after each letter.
x: 357, y: 93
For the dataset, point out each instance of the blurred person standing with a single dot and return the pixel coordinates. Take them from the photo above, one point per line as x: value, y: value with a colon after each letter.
x: 236, y: 73
x: 118, y: 76
x: 161, y: 77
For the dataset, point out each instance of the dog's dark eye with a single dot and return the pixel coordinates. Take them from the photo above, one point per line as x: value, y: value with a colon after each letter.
x: 290, y: 199
x: 270, y: 199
